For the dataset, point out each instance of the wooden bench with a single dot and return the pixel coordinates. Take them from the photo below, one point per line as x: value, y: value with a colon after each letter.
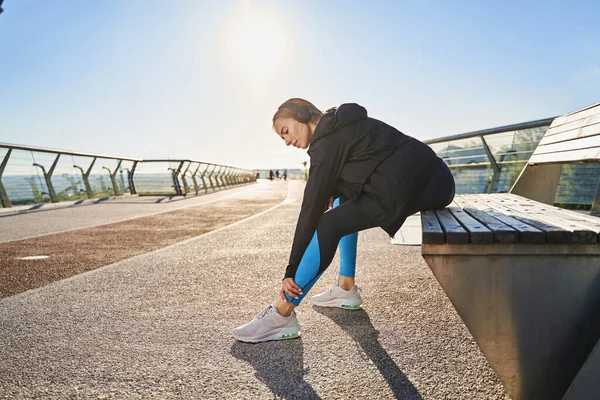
x: 524, y: 275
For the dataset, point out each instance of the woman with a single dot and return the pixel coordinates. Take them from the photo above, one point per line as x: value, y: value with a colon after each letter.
x: 378, y: 176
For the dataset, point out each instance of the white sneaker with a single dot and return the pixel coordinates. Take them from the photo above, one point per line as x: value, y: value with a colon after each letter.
x: 268, y: 325
x: 335, y: 296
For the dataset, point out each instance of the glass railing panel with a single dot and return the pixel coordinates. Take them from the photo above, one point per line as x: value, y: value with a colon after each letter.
x: 99, y: 179
x: 509, y: 173
x: 577, y: 185
x: 516, y: 144
x: 154, y: 177
x: 473, y: 169
x: 471, y: 179
x: 24, y: 183
x: 460, y: 152
x: 67, y: 180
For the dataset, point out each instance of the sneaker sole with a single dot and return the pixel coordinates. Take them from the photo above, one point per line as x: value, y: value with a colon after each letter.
x: 345, y: 306
x: 282, y: 334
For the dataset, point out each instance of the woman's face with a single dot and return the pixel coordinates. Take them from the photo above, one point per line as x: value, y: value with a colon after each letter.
x: 293, y: 132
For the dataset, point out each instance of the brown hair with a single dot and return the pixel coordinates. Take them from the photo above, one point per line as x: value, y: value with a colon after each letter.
x: 284, y: 112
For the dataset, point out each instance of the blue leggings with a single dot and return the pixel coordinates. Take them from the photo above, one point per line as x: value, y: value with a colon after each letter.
x: 347, y: 248
x: 340, y: 226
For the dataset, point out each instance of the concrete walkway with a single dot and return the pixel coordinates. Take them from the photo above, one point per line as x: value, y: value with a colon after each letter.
x: 19, y: 223
x: 159, y: 326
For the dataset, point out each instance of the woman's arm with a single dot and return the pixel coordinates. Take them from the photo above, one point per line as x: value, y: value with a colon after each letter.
x: 327, y: 160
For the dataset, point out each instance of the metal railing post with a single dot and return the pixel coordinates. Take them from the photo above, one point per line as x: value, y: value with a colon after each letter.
x: 3, y: 195
x: 228, y: 176
x: 48, y: 178
x: 196, y: 187
x: 112, y: 178
x: 175, y: 173
x: 130, y: 177
x: 221, y: 176
x: 204, y: 185
x: 217, y: 177
x: 210, y: 177
x: 225, y: 177
x: 86, y: 181
x: 186, y: 187
x: 496, y: 168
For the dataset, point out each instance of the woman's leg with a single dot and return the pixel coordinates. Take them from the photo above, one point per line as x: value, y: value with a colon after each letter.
x: 335, y: 224
x: 348, y: 246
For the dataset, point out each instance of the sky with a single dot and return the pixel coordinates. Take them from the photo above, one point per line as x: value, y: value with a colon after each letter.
x: 200, y: 80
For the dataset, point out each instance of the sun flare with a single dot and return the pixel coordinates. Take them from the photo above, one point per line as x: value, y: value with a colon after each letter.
x: 256, y: 45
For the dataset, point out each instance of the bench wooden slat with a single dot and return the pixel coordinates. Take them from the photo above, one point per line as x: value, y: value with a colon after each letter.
x: 502, y: 232
x: 554, y: 234
x: 478, y: 232
x: 581, y: 113
x: 566, y: 156
x: 580, y: 234
x: 527, y: 233
x: 577, y: 133
x: 455, y: 233
x: 432, y: 231
x: 589, y: 142
x: 577, y: 120
x: 581, y: 220
x: 570, y: 213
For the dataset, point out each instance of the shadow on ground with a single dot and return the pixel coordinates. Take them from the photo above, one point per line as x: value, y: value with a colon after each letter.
x: 279, y: 365
x: 358, y: 325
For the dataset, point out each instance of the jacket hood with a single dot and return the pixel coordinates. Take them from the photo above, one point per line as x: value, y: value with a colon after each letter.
x: 345, y: 114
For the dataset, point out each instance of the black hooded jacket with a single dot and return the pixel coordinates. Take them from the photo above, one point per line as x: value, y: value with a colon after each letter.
x: 345, y: 149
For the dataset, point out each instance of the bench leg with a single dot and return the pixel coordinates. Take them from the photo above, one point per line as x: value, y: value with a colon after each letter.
x: 536, y: 318
x: 585, y: 385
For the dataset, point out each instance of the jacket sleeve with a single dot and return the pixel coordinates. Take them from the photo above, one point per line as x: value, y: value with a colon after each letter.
x: 327, y: 158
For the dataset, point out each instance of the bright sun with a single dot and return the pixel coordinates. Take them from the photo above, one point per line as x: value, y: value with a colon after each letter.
x: 256, y: 45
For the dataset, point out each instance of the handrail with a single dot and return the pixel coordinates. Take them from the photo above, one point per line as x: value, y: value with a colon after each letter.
x: 500, y: 129
x: 69, y: 153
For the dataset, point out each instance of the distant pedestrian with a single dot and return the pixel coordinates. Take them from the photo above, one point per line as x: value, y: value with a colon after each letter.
x: 277, y: 174
x: 285, y: 174
x: 271, y: 174
x: 377, y: 175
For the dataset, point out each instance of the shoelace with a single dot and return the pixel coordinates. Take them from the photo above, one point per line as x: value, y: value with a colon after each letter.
x: 266, y: 311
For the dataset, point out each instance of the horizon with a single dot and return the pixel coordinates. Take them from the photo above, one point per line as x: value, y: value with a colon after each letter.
x: 201, y: 80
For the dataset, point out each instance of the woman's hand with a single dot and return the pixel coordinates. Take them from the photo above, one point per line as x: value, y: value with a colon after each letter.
x: 330, y: 206
x: 289, y: 287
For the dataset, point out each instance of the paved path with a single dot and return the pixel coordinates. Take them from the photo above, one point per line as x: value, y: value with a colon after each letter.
x: 75, y: 251
x: 59, y: 217
x: 158, y: 326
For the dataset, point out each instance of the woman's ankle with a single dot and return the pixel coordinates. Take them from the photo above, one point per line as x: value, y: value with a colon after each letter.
x: 284, y: 308
x: 346, y: 282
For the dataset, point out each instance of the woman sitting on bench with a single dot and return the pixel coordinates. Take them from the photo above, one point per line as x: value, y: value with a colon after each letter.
x: 377, y: 175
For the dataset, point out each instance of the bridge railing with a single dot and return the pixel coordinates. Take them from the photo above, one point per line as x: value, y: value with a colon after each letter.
x: 31, y: 174
x: 490, y: 161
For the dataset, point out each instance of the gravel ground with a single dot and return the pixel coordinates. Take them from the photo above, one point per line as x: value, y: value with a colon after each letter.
x: 158, y: 325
